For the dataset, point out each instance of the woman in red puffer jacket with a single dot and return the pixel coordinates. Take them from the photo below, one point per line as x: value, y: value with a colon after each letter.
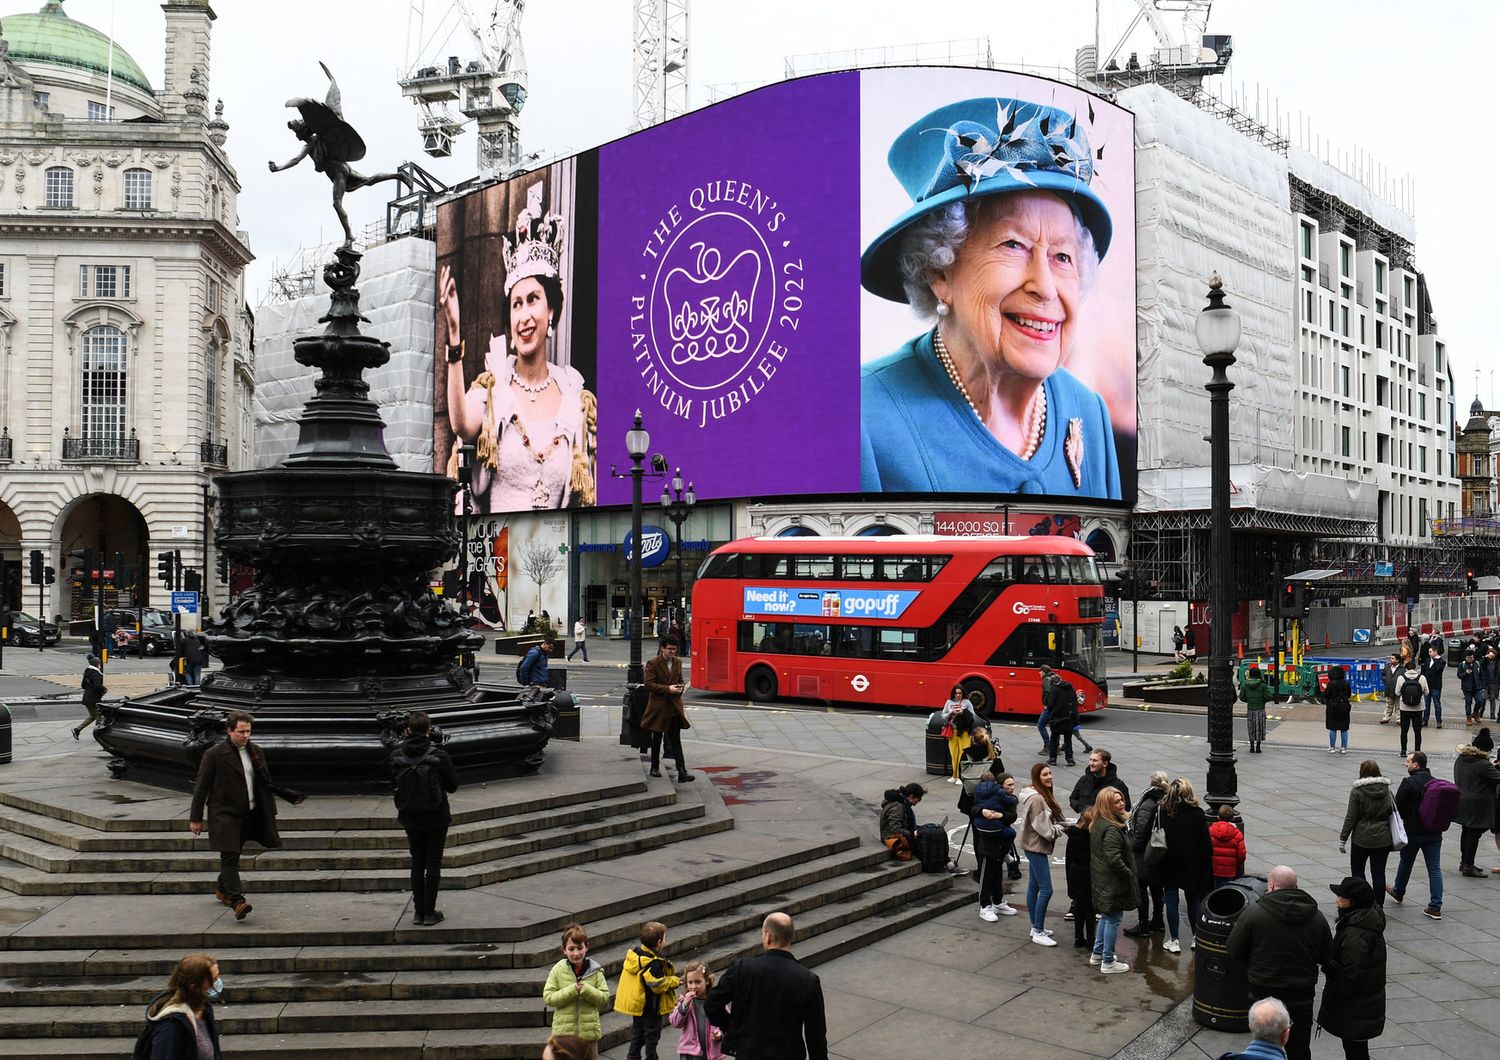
x: 1228, y: 847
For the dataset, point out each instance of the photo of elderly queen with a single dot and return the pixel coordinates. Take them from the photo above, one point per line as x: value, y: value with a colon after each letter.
x: 998, y: 253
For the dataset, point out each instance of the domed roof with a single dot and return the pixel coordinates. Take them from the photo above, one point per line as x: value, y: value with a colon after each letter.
x: 52, y: 38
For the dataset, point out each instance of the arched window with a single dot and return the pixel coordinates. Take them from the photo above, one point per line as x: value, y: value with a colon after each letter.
x: 104, y: 383
x: 880, y: 530
x: 797, y: 531
x: 137, y: 189
x: 1102, y: 544
x: 59, y: 187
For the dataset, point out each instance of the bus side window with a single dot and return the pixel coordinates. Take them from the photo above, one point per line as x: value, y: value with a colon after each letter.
x: 855, y: 642
x: 1031, y: 572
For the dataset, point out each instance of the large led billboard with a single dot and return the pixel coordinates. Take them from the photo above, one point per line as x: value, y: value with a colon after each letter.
x: 904, y: 281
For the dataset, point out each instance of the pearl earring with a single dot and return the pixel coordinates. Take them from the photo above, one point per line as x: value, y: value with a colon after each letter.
x: 942, y: 309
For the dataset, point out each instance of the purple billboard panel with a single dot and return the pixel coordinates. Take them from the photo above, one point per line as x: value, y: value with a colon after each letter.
x: 729, y: 293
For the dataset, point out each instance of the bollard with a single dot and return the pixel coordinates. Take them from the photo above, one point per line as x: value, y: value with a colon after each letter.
x: 5, y: 740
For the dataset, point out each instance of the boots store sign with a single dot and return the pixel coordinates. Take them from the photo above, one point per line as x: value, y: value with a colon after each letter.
x: 656, y: 546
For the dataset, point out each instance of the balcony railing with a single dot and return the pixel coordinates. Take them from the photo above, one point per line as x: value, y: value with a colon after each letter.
x: 211, y: 453
x: 120, y: 450
x: 5, y: 446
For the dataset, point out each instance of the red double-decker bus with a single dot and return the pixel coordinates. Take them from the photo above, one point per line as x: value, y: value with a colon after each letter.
x: 900, y: 621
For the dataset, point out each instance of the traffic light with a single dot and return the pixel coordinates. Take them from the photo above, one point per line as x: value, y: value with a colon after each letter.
x: 1293, y: 600
x: 1470, y: 581
x: 164, y: 569
x: 36, y: 566
x: 223, y: 566
x: 49, y: 575
x: 192, y: 581
x: 1413, y: 583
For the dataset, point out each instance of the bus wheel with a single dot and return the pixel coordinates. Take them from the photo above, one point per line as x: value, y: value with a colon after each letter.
x: 760, y: 684
x: 987, y: 707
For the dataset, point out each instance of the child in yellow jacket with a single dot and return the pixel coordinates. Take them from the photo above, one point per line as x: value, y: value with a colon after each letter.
x: 647, y: 991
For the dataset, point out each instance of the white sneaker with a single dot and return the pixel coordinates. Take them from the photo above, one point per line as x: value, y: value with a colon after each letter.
x: 1114, y: 966
x: 1094, y: 958
x: 1333, y: 750
x: 1343, y: 750
x: 1004, y: 909
x: 1172, y: 946
x: 987, y: 912
x: 1042, y: 939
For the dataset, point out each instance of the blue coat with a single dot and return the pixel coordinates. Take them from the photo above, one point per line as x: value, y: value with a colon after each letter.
x: 918, y: 435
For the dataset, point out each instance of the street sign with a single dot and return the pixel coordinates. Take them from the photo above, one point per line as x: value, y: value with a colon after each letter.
x: 1361, y: 636
x: 1385, y: 570
x: 179, y: 531
x: 184, y: 603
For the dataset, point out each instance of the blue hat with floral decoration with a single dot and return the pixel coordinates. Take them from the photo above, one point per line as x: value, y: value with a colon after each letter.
x: 981, y: 147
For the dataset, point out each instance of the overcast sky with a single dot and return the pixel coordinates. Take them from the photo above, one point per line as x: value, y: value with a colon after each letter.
x: 1406, y: 85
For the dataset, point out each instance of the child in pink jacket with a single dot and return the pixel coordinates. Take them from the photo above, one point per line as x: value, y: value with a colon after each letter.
x: 698, y: 1038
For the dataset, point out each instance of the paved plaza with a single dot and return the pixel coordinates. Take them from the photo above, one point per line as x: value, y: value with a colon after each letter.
x: 959, y: 986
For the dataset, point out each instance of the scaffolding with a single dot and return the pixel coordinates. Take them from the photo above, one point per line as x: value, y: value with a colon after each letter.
x: 1335, y: 215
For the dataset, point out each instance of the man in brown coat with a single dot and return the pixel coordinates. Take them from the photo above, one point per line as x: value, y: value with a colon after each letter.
x: 665, y: 717
x: 234, y: 781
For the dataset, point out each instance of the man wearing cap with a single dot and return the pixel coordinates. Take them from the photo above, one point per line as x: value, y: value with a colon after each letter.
x: 1353, y: 1008
x: 998, y: 251
x: 1283, y: 941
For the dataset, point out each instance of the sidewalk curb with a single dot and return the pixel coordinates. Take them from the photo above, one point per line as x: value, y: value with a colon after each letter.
x: 1164, y: 1037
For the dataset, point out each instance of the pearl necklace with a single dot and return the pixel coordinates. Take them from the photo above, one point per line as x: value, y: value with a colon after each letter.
x: 1036, y: 410
x: 535, y: 390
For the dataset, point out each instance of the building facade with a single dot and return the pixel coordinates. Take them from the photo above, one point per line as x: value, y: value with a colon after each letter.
x: 126, y: 350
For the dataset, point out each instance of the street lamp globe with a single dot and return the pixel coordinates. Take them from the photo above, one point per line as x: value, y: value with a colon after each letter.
x: 637, y: 440
x: 690, y: 498
x: 1218, y: 326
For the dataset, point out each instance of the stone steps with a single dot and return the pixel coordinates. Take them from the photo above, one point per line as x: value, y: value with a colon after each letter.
x: 330, y: 965
x: 333, y: 833
x: 193, y: 855
x: 609, y: 836
x: 431, y: 1023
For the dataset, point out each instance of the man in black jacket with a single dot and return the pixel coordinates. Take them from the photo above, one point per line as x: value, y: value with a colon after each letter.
x: 769, y: 1006
x: 1100, y: 774
x: 1418, y: 837
x: 1283, y: 941
x: 422, y: 774
x: 1062, y: 715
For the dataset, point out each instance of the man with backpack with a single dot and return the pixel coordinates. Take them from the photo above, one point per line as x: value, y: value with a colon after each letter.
x: 1411, y: 690
x: 422, y: 774
x: 532, y: 669
x: 1427, y: 807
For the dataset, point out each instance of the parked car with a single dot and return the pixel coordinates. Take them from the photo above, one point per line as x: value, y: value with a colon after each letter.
x: 156, y: 631
x: 27, y: 631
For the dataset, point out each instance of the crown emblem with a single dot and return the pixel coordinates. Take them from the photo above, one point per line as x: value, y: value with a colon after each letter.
x: 534, y: 247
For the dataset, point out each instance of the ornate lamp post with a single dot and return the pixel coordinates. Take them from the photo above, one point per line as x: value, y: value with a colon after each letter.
x: 1218, y: 332
x: 678, y: 503
x: 637, y: 443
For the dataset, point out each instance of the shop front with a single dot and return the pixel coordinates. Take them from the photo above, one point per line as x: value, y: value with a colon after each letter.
x: 599, y: 578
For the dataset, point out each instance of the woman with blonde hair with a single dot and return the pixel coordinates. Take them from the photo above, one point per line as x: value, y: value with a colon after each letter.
x: 181, y: 1021
x: 1041, y: 824
x: 1112, y: 875
x: 1186, y: 869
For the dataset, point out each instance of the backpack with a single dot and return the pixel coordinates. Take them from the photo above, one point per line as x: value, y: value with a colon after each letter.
x: 143, y: 1044
x: 419, y: 786
x: 1411, y: 692
x: 932, y: 847
x: 1439, y: 805
x: 525, y: 666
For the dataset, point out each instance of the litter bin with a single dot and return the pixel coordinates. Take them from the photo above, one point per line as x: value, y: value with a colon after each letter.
x: 566, y: 727
x: 939, y: 763
x: 4, y: 734
x: 1221, y: 991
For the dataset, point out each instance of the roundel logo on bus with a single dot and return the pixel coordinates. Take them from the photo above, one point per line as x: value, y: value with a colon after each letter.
x: 1027, y: 609
x: 860, y: 682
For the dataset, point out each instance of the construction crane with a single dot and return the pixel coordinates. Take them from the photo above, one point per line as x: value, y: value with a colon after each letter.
x: 659, y: 50
x: 489, y: 91
x: 1192, y: 53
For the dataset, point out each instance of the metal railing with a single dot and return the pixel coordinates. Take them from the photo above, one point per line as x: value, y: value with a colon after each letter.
x: 123, y: 450
x: 212, y: 453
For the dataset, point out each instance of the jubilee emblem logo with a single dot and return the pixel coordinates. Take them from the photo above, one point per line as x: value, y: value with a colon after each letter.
x: 719, y: 302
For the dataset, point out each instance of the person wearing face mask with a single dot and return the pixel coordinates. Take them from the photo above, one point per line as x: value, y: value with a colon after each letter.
x: 180, y: 1023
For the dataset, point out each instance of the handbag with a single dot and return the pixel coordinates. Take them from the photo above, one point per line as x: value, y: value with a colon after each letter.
x: 948, y: 732
x: 1398, y: 831
x: 1156, y: 846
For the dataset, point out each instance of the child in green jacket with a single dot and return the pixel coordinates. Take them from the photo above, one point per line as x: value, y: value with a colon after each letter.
x: 576, y: 988
x: 648, y: 990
